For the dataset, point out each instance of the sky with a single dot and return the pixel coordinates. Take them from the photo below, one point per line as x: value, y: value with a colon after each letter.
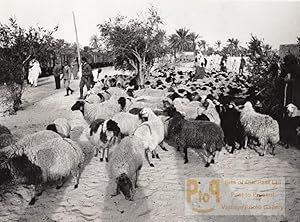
x: 276, y: 22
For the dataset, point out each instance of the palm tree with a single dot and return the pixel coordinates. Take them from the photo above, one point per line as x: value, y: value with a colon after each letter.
x: 193, y: 40
x: 180, y: 40
x: 218, y: 44
x: 231, y: 45
x: 94, y: 42
x: 236, y: 46
x: 202, y: 44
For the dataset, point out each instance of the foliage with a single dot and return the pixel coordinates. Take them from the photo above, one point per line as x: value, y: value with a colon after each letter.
x: 135, y: 43
x: 261, y: 56
x: 17, y: 47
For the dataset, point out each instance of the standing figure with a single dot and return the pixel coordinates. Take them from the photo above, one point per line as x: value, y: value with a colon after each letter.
x: 34, y: 72
x: 223, y: 64
x: 75, y: 68
x: 86, y: 77
x: 57, y: 71
x: 67, y: 78
x: 242, y: 65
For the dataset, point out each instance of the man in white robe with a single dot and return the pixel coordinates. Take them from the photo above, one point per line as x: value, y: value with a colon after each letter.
x: 34, y: 72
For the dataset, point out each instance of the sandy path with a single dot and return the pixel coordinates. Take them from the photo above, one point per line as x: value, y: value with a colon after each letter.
x: 160, y: 196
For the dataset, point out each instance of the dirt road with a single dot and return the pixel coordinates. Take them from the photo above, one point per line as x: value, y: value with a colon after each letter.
x: 160, y: 196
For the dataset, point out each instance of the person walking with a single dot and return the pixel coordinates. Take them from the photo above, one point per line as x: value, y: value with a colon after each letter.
x: 242, y: 65
x: 67, y: 78
x: 57, y: 71
x: 34, y: 72
x: 86, y: 77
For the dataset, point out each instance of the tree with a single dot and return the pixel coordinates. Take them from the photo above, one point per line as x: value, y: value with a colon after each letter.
x: 193, y: 37
x: 202, y: 44
x: 135, y: 43
x: 218, y: 45
x: 261, y: 56
x: 17, y: 47
x: 181, y: 40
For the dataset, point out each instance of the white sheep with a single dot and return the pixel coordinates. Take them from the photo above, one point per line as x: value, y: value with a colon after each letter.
x: 104, y: 110
x: 151, y: 132
x: 94, y: 98
x: 53, y: 160
x: 260, y: 126
x: 125, y: 164
x: 60, y: 126
x: 188, y: 111
x: 127, y: 122
x: 211, y: 112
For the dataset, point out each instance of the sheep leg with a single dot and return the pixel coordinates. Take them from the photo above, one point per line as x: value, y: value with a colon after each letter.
x: 246, y: 142
x: 117, y: 192
x: 147, y: 157
x: 60, y: 183
x: 186, y: 160
x: 34, y: 195
x: 96, y: 150
x: 106, y: 154
x: 162, y: 146
x: 102, y: 154
x: 136, y: 178
x: 273, y: 149
x: 153, y: 154
x: 75, y: 174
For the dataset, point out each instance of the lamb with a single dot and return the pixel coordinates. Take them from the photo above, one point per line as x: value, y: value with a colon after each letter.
x: 125, y: 164
x: 196, y: 134
x: 260, y: 126
x: 104, y: 110
x: 151, y: 132
x: 6, y: 138
x: 60, y: 126
x: 52, y: 160
x: 102, y: 134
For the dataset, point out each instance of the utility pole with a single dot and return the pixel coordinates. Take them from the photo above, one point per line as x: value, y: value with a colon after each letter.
x: 78, y: 49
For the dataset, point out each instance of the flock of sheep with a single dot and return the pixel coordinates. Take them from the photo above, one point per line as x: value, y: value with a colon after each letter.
x: 126, y: 125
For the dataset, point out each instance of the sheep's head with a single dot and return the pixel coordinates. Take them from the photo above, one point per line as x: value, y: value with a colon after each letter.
x: 291, y: 110
x: 145, y: 113
x: 167, y: 103
x: 79, y: 105
x: 248, y: 106
x: 95, y: 126
x: 102, y: 99
x: 112, y: 126
x: 52, y: 127
x: 125, y: 185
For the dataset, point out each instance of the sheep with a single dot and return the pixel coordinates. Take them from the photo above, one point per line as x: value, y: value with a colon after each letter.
x: 94, y: 98
x: 189, y: 112
x: 127, y: 122
x: 211, y: 112
x: 292, y: 110
x: 103, y: 110
x: 60, y: 126
x: 6, y: 137
x: 231, y: 125
x: 52, y: 160
x: 151, y: 132
x: 260, y: 126
x: 125, y: 164
x: 196, y: 134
